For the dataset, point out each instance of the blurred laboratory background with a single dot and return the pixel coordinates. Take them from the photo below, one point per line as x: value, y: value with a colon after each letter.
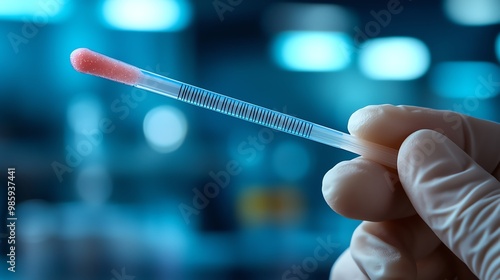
x: 113, y: 182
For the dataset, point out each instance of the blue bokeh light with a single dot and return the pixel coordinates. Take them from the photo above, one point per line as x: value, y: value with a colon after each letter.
x: 465, y: 79
x: 497, y: 46
x: 147, y: 15
x: 39, y: 221
x: 312, y: 50
x: 395, y: 58
x: 479, y: 12
x: 83, y: 113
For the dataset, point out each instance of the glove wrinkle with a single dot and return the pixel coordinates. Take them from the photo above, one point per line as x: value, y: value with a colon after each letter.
x: 458, y: 199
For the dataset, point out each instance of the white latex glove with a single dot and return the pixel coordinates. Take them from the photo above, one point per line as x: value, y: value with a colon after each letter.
x: 438, y: 217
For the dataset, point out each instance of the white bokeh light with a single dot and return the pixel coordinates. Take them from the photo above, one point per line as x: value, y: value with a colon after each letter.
x: 312, y: 51
x: 165, y: 128
x: 84, y: 113
x: 394, y: 58
x: 147, y: 15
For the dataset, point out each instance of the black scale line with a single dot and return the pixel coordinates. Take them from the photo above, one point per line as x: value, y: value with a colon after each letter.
x: 210, y: 100
x: 273, y: 120
x: 203, y: 98
x: 211, y: 103
x: 230, y: 107
x: 191, y: 95
x: 283, y: 122
x: 258, y: 115
x: 217, y: 101
x: 264, y: 117
x: 183, y: 93
x: 293, y: 125
x: 261, y: 116
x: 269, y: 117
x: 255, y: 114
x: 188, y: 94
x: 252, y: 113
x: 198, y: 96
x: 309, y: 130
x: 304, y: 127
x: 181, y: 90
x: 223, y: 104
x: 244, y: 110
x: 301, y: 127
x: 238, y: 109
x: 296, y: 126
x: 234, y: 108
x: 288, y: 123
x: 206, y: 99
x: 227, y: 105
x: 280, y: 121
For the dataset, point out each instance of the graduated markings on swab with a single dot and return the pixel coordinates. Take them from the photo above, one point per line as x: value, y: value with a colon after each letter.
x: 243, y: 110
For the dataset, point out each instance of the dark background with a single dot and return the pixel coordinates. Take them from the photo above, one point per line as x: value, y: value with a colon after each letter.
x: 118, y: 205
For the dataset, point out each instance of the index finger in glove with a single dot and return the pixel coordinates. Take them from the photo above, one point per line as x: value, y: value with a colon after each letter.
x: 390, y: 125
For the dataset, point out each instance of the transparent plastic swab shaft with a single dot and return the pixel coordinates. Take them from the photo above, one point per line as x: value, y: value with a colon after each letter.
x: 266, y: 117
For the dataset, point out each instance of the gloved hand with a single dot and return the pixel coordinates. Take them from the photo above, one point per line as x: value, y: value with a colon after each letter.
x: 438, y: 215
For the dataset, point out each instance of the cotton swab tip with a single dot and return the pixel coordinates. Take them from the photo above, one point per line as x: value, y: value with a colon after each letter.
x: 90, y: 62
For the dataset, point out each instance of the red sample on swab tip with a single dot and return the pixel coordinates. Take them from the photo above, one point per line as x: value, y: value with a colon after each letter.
x: 89, y: 62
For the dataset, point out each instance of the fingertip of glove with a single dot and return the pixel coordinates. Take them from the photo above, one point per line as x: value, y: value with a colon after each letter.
x: 365, y: 117
x: 420, y: 147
